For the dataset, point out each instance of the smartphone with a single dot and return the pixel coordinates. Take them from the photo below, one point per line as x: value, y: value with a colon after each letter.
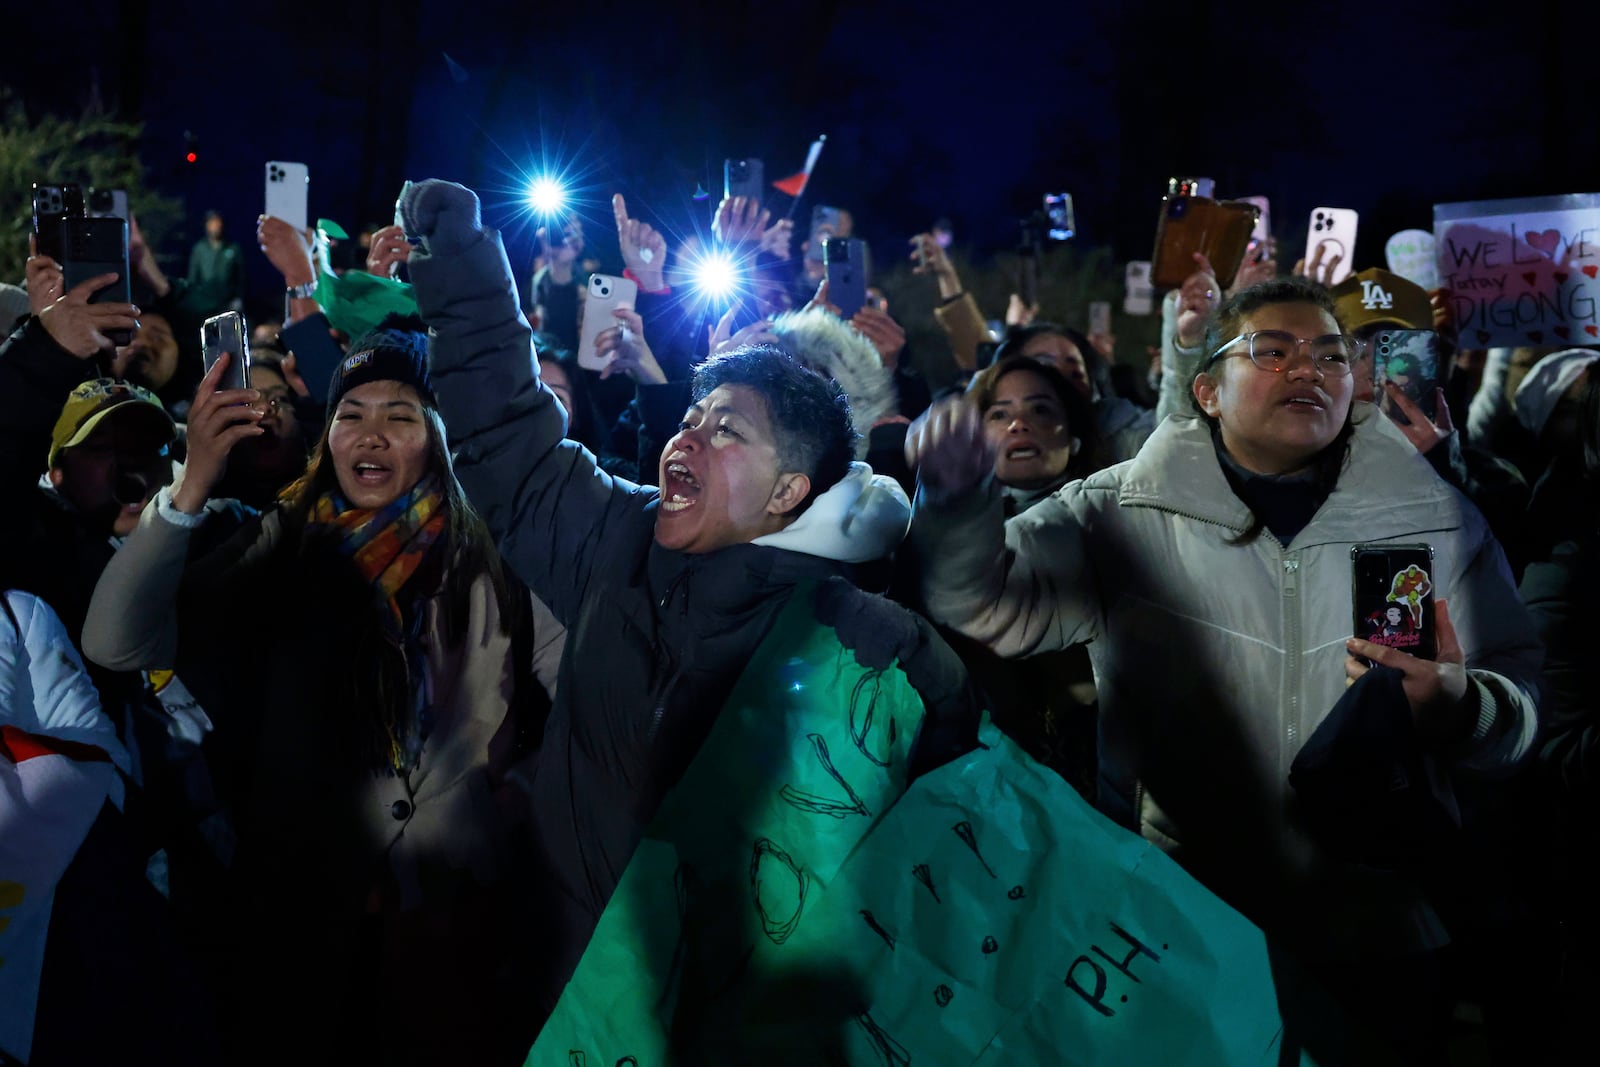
x: 1219, y: 229
x: 1392, y: 595
x: 1099, y: 317
x: 606, y: 293
x: 91, y: 246
x: 1333, y: 230
x: 288, y: 186
x: 1058, y: 209
x: 845, y: 260
x: 1263, y: 229
x: 1139, y: 295
x: 824, y: 224
x: 1410, y: 360
x: 108, y: 203
x: 52, y: 204
x: 227, y: 333
x: 743, y: 177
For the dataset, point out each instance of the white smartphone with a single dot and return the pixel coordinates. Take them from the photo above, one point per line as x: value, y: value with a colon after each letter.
x: 1140, y: 296
x: 1263, y: 229
x: 1333, y: 230
x: 606, y: 293
x: 288, y: 185
x: 1099, y: 317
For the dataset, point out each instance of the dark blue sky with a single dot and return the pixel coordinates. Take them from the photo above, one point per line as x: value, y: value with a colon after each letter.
x: 970, y: 111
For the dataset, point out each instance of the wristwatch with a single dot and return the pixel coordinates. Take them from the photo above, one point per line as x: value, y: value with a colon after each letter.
x: 302, y: 292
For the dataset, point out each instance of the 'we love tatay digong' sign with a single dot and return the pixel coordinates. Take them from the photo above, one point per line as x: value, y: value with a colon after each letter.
x: 1522, y: 272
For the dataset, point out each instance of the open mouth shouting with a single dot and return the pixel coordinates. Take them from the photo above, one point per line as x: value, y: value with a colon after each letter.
x: 1017, y: 453
x: 680, y: 489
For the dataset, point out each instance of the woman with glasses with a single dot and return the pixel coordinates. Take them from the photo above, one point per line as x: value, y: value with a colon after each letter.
x: 374, y: 677
x: 1211, y: 577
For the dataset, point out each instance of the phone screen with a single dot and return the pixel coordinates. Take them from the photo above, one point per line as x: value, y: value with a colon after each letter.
x: 1058, y: 209
x: 1408, y: 359
x: 1392, y: 595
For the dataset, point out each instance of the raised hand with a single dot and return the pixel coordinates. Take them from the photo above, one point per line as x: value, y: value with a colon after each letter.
x: 387, y: 251
x: 1198, y: 297
x: 1420, y: 430
x: 287, y: 249
x: 885, y: 334
x: 948, y: 449
x: 1321, y: 267
x: 218, y: 420
x: 932, y: 259
x: 79, y: 326
x: 740, y: 219
x: 644, y: 251
x: 627, y: 349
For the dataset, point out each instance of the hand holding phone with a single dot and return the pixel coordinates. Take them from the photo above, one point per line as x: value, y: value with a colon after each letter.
x: 743, y: 177
x: 606, y: 293
x: 90, y: 248
x: 1330, y: 245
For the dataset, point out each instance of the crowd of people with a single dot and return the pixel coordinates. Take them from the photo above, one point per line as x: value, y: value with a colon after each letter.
x: 382, y: 666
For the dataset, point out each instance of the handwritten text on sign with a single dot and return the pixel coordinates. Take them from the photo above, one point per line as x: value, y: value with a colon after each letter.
x: 1522, y: 272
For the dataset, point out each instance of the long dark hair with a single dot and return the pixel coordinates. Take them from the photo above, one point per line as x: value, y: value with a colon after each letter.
x: 382, y: 697
x: 1094, y: 363
x: 1224, y: 325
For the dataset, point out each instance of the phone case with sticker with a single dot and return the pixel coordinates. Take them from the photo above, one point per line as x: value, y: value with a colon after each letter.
x: 1392, y: 597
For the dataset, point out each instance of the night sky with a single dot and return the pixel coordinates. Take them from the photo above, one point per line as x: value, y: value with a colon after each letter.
x: 966, y: 111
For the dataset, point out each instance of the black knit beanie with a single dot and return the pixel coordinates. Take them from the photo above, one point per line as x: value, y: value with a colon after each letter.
x: 396, y: 350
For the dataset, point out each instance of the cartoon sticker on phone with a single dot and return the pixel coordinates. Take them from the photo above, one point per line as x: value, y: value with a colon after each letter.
x: 1410, y: 586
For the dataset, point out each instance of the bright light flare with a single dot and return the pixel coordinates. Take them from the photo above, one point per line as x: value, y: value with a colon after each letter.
x: 715, y: 275
x: 546, y: 196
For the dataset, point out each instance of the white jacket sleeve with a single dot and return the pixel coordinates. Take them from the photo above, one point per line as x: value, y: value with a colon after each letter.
x: 1020, y: 587
x: 1178, y: 364
x: 1504, y: 657
x: 59, y: 700
x: 132, y: 622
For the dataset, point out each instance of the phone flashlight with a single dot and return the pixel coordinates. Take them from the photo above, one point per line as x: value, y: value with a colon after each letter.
x: 715, y: 275
x: 546, y: 196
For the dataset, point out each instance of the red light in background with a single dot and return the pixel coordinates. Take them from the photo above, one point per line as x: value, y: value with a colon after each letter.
x: 191, y: 157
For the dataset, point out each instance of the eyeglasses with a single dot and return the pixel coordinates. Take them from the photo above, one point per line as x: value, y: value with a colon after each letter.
x: 1331, y: 354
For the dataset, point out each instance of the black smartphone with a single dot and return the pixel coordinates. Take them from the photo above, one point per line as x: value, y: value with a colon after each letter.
x: 51, y: 205
x: 91, y: 246
x: 1058, y: 209
x: 1392, y: 594
x: 1408, y: 359
x: 845, y: 261
x: 743, y: 177
x: 226, y: 333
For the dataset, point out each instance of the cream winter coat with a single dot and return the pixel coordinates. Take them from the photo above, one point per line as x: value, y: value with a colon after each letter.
x: 1136, y: 560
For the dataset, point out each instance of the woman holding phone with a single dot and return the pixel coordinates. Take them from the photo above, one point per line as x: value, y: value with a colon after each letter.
x: 373, y: 675
x: 1211, y: 578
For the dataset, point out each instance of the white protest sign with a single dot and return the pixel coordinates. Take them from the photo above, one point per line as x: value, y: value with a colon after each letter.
x: 1413, y: 255
x: 1139, y: 298
x: 1522, y: 272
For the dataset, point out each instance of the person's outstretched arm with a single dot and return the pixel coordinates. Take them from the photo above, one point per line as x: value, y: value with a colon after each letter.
x: 553, y: 512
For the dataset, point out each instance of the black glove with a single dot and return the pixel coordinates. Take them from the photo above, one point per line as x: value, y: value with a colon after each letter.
x: 443, y: 214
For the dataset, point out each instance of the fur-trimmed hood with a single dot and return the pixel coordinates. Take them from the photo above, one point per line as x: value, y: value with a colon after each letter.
x: 830, y: 346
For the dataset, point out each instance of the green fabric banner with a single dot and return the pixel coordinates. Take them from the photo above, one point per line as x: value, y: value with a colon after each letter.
x: 796, y: 903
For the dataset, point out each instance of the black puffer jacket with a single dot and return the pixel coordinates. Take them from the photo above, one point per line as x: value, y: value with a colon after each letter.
x: 656, y: 638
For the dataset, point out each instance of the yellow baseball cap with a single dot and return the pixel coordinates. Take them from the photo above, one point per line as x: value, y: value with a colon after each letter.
x: 1377, y: 297
x: 90, y: 404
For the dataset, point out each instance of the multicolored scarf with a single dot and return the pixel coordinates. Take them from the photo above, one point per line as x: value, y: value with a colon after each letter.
x: 389, y: 545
